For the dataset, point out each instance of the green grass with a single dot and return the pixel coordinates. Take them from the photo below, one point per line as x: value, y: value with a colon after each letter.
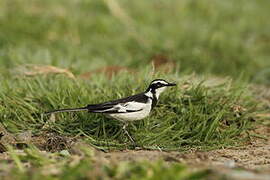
x: 197, y: 115
x: 221, y: 39
x: 90, y: 165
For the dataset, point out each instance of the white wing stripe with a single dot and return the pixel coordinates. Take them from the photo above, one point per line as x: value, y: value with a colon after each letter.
x: 126, y: 107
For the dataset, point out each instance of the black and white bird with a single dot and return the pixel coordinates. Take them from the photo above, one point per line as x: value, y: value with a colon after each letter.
x: 127, y: 109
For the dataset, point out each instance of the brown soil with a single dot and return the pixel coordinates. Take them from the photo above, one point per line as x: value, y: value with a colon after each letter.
x: 253, y: 159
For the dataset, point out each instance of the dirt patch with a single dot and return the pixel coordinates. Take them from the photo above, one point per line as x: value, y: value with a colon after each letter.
x: 47, y: 141
x: 249, y: 162
x: 254, y: 156
x: 5, y: 138
x: 253, y: 159
x: 52, y: 142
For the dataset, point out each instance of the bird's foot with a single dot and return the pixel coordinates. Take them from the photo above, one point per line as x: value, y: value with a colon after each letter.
x: 134, y: 144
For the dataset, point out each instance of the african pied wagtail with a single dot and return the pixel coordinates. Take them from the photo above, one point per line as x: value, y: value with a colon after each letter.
x: 127, y: 109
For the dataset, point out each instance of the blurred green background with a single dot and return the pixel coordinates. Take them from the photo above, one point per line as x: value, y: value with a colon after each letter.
x: 224, y: 38
x: 211, y: 38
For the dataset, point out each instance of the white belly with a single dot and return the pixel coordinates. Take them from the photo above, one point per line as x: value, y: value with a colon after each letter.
x: 133, y: 116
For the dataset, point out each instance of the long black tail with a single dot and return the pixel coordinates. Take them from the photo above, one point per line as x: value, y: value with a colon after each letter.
x: 67, y: 110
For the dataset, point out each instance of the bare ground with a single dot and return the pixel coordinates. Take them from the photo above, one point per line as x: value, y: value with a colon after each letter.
x: 253, y: 159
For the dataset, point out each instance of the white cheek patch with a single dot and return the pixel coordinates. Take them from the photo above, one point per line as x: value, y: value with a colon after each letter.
x: 159, y: 91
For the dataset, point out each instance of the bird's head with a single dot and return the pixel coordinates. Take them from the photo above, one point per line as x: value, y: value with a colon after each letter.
x: 157, y: 86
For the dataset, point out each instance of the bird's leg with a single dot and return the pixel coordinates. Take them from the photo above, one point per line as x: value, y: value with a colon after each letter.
x: 125, y: 130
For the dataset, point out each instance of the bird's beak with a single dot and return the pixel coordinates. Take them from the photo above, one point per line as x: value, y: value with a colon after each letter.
x: 171, y: 84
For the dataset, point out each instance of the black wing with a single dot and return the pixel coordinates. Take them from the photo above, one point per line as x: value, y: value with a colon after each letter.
x: 116, y: 106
